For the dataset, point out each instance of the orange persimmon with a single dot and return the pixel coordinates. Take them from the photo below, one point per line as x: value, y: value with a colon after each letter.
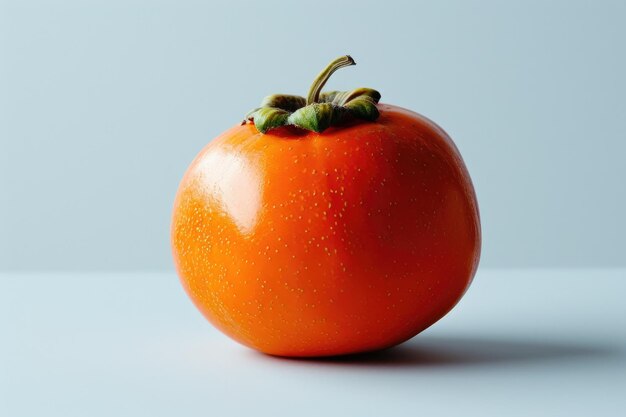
x: 326, y: 226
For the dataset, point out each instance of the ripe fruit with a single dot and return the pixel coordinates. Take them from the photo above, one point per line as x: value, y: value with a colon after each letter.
x: 348, y: 226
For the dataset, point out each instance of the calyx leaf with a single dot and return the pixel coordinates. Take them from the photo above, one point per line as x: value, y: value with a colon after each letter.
x: 333, y: 108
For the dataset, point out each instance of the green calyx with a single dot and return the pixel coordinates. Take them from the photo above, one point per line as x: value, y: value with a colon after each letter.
x: 319, y: 110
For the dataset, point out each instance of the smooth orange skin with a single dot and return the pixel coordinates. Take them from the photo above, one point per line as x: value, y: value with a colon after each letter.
x: 303, y: 244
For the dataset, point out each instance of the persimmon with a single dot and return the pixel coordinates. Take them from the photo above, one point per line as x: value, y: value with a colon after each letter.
x: 328, y: 225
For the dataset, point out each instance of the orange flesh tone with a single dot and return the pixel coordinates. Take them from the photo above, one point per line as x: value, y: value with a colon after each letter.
x: 304, y: 244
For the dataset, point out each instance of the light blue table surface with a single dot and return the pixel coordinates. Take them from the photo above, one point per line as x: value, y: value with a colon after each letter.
x: 521, y: 343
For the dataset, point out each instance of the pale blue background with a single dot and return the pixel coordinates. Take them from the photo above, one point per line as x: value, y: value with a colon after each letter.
x: 104, y: 103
